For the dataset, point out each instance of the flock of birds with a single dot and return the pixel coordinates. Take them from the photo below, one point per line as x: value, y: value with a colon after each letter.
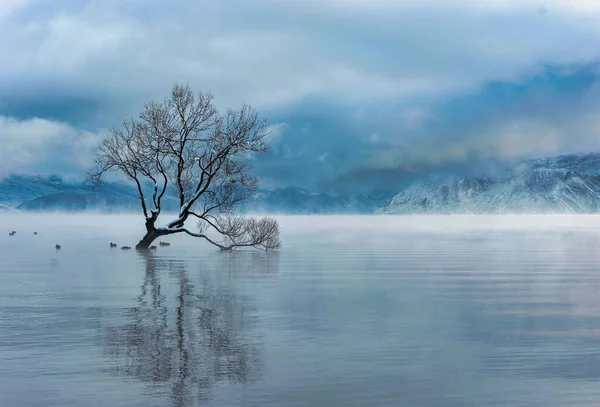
x: 112, y: 245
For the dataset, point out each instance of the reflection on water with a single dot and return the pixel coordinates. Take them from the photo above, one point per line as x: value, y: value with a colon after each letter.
x: 363, y: 311
x: 189, y: 336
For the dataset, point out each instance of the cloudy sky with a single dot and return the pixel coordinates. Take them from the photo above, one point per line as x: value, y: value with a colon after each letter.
x: 359, y: 93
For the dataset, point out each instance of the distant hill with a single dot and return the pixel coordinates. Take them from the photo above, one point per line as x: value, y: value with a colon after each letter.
x: 36, y: 193
x: 564, y: 184
x: 6, y: 208
x: 300, y: 201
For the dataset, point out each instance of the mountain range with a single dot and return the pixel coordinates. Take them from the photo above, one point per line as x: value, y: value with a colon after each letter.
x: 563, y: 184
x: 38, y: 193
x: 31, y: 193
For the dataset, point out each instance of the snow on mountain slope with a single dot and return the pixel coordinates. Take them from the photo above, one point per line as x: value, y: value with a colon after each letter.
x: 454, y: 195
x: 566, y: 184
x: 40, y: 193
x: 587, y: 164
x: 6, y: 208
x: 16, y: 189
x: 71, y: 201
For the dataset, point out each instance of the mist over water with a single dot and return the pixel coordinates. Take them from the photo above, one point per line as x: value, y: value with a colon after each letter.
x: 353, y: 310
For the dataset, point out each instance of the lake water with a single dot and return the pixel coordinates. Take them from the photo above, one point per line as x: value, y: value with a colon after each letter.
x: 352, y: 311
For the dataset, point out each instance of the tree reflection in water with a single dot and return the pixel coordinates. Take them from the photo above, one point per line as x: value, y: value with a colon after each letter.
x: 183, y: 338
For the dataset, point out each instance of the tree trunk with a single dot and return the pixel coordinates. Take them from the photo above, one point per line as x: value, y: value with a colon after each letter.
x: 147, y: 240
x: 151, y: 235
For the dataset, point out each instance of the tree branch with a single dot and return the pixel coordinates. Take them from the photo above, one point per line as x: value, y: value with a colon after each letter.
x: 184, y: 144
x: 142, y: 199
x: 169, y: 231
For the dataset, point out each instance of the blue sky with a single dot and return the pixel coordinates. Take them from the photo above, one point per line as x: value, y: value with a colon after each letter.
x: 361, y: 94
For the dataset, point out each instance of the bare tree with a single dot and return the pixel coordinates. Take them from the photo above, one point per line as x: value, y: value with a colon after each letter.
x: 185, y: 146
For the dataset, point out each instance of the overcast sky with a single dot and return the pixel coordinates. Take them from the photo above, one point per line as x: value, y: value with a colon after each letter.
x: 360, y: 93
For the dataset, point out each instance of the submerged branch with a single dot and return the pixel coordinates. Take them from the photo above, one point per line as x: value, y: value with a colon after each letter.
x: 238, y: 231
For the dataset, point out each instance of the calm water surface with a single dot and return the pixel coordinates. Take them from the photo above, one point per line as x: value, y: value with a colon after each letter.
x: 353, y: 311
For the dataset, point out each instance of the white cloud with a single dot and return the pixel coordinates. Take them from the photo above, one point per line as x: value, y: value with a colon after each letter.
x: 275, y: 133
x: 30, y: 145
x: 271, y: 53
x: 323, y: 156
x: 374, y: 138
x: 8, y: 7
x: 475, y: 5
x: 414, y: 117
x: 511, y: 139
x: 273, y: 139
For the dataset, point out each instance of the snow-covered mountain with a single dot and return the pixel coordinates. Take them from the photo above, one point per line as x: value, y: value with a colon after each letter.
x: 17, y: 189
x: 567, y: 184
x: 6, y: 208
x: 30, y: 193
x: 35, y: 193
x: 564, y: 184
x: 585, y: 163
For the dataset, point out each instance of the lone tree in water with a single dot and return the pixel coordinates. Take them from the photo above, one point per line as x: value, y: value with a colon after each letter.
x: 186, y: 146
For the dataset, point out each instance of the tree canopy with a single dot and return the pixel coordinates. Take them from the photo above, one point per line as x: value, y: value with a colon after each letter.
x: 184, y: 145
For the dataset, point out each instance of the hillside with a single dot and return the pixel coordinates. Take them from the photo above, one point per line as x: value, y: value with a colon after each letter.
x: 565, y: 184
x: 36, y: 193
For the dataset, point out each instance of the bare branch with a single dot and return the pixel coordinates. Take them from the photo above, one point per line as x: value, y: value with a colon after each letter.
x: 189, y: 232
x: 183, y: 144
x: 238, y: 231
